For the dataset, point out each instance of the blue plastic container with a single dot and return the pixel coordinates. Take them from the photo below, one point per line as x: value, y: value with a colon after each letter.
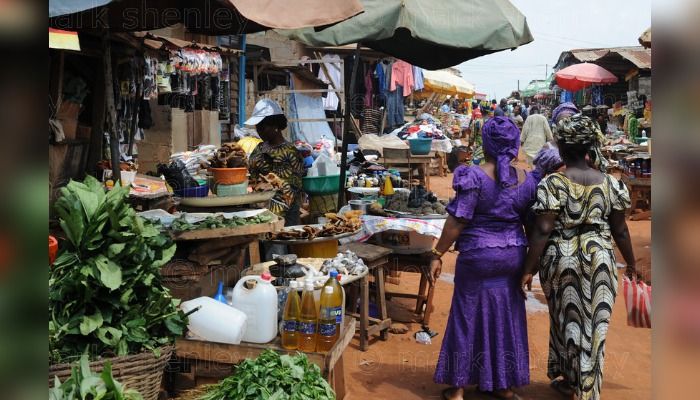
x: 420, y: 146
x: 199, y: 191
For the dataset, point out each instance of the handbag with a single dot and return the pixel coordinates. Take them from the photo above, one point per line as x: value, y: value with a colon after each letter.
x: 638, y: 302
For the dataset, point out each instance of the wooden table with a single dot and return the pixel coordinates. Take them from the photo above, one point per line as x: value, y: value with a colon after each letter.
x: 416, y: 263
x: 214, y: 360
x: 376, y: 258
x: 422, y: 163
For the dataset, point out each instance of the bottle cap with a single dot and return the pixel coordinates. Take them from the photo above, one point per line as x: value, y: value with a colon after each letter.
x: 338, y: 277
x: 328, y: 290
x: 333, y: 273
x: 266, y: 276
x: 309, y: 286
x: 293, y: 284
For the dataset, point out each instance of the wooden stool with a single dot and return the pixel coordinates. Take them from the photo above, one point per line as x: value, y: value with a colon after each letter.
x: 376, y: 258
x: 416, y: 263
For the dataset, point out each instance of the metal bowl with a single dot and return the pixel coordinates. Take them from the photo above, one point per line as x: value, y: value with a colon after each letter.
x: 362, y: 205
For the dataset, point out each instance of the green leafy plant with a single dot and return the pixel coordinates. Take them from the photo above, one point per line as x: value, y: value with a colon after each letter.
x: 83, y: 384
x: 105, y: 289
x: 271, y: 376
x: 181, y: 224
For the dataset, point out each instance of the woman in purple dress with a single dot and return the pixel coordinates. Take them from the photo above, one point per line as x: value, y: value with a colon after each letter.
x: 485, y: 342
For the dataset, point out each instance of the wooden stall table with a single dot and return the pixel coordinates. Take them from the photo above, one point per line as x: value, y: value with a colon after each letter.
x: 640, y: 190
x: 207, y: 361
x: 376, y: 258
x: 421, y: 163
x: 416, y: 263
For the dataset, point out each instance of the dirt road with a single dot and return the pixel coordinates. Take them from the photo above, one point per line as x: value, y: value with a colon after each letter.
x: 402, y: 369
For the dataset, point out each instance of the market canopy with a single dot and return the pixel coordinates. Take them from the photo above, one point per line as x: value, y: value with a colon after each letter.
x: 431, y: 35
x: 537, y: 86
x: 211, y: 17
x: 63, y: 40
x: 445, y: 82
x: 581, y: 76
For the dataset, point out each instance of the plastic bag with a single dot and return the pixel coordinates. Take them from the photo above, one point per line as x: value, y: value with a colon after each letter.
x: 176, y: 175
x: 638, y: 301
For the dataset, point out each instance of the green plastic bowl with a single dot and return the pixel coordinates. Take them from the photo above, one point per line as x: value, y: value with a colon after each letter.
x: 321, y: 184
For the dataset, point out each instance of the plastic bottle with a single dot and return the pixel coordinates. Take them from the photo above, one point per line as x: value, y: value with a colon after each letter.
x: 331, y: 315
x: 220, y: 293
x: 292, y: 312
x: 308, y: 319
x: 388, y: 187
x: 260, y: 305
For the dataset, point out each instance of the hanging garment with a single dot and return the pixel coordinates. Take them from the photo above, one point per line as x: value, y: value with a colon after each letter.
x: 333, y: 77
x: 395, y: 108
x: 381, y: 79
x: 417, y: 78
x: 307, y: 107
x: 368, y: 88
x: 402, y: 74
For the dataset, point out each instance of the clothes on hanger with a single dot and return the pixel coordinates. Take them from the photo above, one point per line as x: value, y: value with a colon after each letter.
x: 332, y: 75
x: 402, y: 74
x: 418, y: 78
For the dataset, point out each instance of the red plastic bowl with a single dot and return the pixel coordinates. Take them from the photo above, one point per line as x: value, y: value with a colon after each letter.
x: 53, y: 249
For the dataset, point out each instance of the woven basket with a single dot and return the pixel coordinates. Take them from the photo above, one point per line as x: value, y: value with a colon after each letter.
x: 142, y: 372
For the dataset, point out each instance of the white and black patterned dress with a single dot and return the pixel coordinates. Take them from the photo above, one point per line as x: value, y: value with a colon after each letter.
x: 579, y: 277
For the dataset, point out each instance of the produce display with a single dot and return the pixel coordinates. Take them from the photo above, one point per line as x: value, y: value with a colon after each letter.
x: 83, y: 384
x: 272, y: 376
x: 229, y: 155
x: 418, y: 202
x: 336, y: 225
x: 219, y: 221
x: 105, y: 289
x: 347, y: 263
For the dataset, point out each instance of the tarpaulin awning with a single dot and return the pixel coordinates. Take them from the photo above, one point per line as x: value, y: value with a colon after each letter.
x: 537, y: 86
x: 63, y: 40
x: 446, y: 83
x: 212, y: 17
x: 431, y: 35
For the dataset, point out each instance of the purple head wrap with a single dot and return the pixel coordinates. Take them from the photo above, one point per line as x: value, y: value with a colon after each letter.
x: 501, y: 142
x: 568, y: 107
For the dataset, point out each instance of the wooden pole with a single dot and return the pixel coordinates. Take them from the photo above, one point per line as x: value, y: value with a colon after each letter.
x: 346, y: 128
x: 111, y: 117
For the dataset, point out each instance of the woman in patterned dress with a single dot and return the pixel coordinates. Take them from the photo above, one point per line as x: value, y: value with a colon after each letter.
x: 276, y: 155
x: 579, y: 213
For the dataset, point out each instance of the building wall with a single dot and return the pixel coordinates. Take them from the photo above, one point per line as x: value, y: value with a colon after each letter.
x: 281, y: 48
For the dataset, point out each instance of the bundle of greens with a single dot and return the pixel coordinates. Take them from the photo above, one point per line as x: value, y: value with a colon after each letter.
x: 273, y: 377
x: 105, y: 289
x: 84, y: 385
x: 181, y: 224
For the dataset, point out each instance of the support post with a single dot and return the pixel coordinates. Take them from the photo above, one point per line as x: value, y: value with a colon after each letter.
x: 111, y: 117
x: 241, y: 82
x: 346, y: 127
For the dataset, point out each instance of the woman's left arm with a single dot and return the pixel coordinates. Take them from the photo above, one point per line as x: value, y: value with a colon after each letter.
x: 621, y: 235
x: 450, y: 232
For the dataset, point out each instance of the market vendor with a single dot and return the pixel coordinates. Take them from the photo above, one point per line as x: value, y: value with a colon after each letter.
x: 278, y: 156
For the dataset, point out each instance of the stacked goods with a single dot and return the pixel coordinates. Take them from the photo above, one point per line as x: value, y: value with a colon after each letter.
x: 229, y: 155
x: 218, y: 221
x: 336, y: 225
x: 418, y: 202
x: 105, y: 288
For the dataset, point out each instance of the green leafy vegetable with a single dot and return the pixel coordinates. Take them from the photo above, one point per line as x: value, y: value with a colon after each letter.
x: 213, y: 222
x: 84, y: 385
x: 105, y: 288
x: 273, y: 377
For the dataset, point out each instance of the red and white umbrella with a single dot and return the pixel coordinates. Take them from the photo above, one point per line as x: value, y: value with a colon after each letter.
x: 581, y: 76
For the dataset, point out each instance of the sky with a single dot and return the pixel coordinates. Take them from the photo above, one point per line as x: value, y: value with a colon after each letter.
x: 557, y: 26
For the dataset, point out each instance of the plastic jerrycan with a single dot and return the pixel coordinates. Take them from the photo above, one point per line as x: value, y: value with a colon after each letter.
x: 260, y: 306
x: 215, y: 321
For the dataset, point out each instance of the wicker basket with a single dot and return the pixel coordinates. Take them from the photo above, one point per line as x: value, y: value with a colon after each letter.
x: 142, y: 372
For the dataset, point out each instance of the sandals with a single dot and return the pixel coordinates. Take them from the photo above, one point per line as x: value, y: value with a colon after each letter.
x: 563, y: 387
x: 450, y: 393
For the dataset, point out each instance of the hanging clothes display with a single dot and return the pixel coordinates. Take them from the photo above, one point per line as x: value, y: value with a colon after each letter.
x: 332, y: 75
x: 368, y: 89
x: 417, y: 78
x: 381, y: 78
x: 395, y: 107
x: 402, y: 74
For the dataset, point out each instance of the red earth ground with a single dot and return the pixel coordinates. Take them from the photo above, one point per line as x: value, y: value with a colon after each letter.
x: 402, y: 369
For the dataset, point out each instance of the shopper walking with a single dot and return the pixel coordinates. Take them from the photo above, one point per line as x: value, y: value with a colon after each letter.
x: 485, y: 341
x: 535, y: 134
x: 579, y: 213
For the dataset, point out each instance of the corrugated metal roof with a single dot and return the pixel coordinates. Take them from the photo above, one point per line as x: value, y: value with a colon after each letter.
x: 637, y: 55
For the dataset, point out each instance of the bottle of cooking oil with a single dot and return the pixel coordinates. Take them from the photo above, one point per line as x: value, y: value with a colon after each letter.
x: 290, y: 320
x: 308, y: 319
x: 331, y: 314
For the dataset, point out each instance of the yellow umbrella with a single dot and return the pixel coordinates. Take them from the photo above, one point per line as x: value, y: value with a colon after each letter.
x: 445, y: 82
